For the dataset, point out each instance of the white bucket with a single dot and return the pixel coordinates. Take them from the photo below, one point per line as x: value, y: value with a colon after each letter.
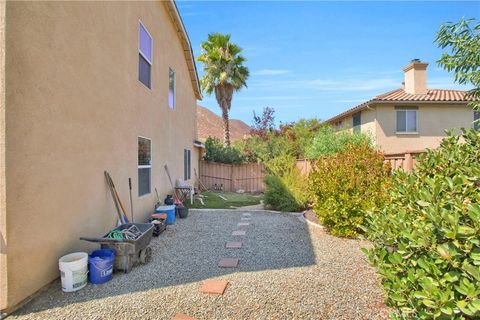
x: 73, y: 270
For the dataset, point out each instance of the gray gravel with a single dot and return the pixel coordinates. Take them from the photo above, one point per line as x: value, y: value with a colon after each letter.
x: 288, y: 270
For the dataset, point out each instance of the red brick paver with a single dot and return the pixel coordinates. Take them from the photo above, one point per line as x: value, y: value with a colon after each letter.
x: 182, y: 316
x: 228, y: 263
x: 233, y: 245
x: 239, y: 233
x: 214, y: 287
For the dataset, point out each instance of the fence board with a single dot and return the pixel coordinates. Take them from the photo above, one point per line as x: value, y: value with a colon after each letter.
x: 233, y: 177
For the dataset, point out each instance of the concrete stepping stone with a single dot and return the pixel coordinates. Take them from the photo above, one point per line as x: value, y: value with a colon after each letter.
x: 214, y: 287
x: 233, y: 245
x: 243, y: 224
x: 182, y: 316
x: 239, y: 233
x: 247, y: 214
x: 245, y: 219
x: 228, y: 263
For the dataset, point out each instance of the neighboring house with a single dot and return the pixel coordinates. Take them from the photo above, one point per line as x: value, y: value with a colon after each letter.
x: 86, y: 87
x: 211, y: 125
x: 412, y: 118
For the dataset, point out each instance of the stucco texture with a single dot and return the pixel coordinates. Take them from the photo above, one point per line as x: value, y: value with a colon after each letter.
x: 74, y: 108
x: 379, y: 121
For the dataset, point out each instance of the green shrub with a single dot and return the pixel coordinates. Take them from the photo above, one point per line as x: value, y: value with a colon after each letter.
x: 278, y: 197
x: 344, y: 186
x: 217, y: 152
x: 328, y: 142
x: 427, y: 237
x: 285, y: 189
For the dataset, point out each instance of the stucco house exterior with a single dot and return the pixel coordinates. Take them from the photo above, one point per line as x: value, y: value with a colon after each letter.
x: 411, y: 118
x: 86, y: 87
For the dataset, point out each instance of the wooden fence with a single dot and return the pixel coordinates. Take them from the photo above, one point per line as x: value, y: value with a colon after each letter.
x: 232, y: 177
x: 405, y: 161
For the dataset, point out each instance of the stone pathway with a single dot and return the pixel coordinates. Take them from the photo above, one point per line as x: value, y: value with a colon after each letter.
x: 286, y: 269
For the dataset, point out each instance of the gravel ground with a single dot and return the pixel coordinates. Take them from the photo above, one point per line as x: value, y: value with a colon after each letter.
x: 288, y: 270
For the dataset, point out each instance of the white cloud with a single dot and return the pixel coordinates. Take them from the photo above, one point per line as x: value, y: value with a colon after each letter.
x: 376, y: 84
x: 270, y: 72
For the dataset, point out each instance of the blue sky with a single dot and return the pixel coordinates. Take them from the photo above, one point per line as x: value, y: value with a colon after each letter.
x: 316, y: 59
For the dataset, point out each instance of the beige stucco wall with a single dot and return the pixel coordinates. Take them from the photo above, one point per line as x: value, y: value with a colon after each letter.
x: 432, y: 121
x: 3, y: 216
x: 74, y: 108
x: 379, y: 121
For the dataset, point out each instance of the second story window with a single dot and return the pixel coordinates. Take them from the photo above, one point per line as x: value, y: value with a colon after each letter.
x: 145, y: 48
x: 171, y: 88
x: 357, y: 122
x: 406, y: 120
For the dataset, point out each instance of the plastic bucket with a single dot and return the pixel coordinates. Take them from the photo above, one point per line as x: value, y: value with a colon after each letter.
x: 100, y: 264
x: 169, y: 210
x: 73, y: 271
x: 182, y: 212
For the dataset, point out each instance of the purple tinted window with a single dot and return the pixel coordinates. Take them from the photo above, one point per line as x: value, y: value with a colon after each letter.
x: 145, y: 43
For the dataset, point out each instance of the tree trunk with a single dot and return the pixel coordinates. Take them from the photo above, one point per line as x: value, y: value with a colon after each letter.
x: 226, y: 127
x: 224, y: 93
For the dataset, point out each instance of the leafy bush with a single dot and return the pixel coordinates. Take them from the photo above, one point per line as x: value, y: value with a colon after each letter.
x: 344, y: 186
x: 285, y: 189
x: 217, y: 152
x: 427, y: 237
x: 278, y: 197
x: 327, y: 142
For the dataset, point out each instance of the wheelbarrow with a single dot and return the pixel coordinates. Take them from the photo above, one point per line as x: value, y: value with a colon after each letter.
x: 130, y: 251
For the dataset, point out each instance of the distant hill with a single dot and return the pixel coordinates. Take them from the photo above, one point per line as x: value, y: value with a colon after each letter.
x: 210, y: 125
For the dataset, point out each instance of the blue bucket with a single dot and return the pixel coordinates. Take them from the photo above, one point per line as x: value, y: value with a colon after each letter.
x: 169, y: 210
x: 100, y: 265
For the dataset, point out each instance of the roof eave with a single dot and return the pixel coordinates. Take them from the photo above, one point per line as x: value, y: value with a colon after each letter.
x: 365, y: 105
x: 187, y: 46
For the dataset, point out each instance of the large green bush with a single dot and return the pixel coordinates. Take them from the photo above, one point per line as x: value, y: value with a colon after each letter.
x: 344, y: 186
x: 427, y: 237
x: 278, y: 197
x: 285, y: 188
x: 217, y: 152
x: 327, y: 142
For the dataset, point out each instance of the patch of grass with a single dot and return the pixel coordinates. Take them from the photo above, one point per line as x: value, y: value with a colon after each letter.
x: 213, y: 201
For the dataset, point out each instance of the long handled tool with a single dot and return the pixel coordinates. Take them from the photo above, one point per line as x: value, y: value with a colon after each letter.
x: 177, y: 199
x: 131, y: 202
x: 200, y: 183
x: 158, y: 199
x: 120, y: 216
x: 116, y: 199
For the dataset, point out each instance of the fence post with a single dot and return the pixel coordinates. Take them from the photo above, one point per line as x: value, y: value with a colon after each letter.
x: 408, y: 162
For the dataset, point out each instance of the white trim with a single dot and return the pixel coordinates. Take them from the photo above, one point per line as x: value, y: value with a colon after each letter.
x: 406, y: 121
x: 151, y: 38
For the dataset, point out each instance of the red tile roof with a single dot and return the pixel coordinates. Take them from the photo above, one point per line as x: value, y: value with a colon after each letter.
x: 399, y: 95
x: 431, y: 95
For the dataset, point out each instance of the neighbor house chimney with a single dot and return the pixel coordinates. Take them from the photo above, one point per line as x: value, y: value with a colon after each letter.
x: 416, y: 77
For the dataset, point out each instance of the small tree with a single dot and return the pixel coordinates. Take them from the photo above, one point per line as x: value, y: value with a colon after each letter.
x: 463, y: 40
x: 263, y: 124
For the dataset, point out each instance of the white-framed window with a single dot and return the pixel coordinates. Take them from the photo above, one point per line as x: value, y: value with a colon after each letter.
x: 171, y: 88
x: 357, y: 122
x: 407, y: 120
x: 144, y: 166
x: 145, y: 54
x: 187, y: 164
x: 476, y: 120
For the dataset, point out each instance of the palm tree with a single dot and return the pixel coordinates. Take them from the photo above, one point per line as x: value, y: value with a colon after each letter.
x: 224, y: 73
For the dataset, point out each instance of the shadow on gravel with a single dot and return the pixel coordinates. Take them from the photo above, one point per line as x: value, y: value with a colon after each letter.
x: 189, y: 252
